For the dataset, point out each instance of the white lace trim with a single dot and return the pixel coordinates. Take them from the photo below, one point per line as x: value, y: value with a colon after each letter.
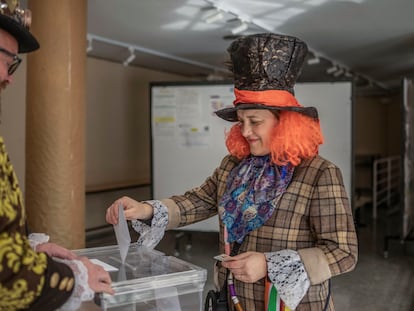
x: 36, y: 239
x: 287, y: 272
x: 150, y: 236
x: 82, y: 291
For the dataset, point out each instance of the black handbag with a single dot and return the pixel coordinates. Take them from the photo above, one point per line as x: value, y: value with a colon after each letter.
x: 217, y: 300
x: 214, y: 301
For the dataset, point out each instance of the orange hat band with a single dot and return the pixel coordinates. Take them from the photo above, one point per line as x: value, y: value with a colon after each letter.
x: 272, y: 98
x: 268, y: 99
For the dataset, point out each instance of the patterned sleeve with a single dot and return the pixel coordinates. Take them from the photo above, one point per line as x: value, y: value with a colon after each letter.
x: 332, y: 225
x: 30, y: 279
x: 150, y: 234
x: 286, y: 272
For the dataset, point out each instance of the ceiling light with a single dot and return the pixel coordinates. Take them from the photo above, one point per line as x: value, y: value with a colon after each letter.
x: 89, y: 47
x: 314, y: 60
x: 130, y: 58
x: 331, y: 70
x: 214, y: 76
x: 240, y: 28
x: 338, y: 72
x: 348, y: 74
x: 214, y: 18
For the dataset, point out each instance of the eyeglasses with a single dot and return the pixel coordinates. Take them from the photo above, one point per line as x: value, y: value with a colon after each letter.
x: 14, y: 64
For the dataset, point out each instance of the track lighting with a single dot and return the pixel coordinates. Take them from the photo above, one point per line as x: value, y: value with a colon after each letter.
x: 348, y: 74
x: 240, y: 28
x: 314, y: 60
x: 339, y: 72
x: 214, y: 17
x: 331, y: 70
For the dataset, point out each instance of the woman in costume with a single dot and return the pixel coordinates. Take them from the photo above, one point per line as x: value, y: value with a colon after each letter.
x: 281, y: 205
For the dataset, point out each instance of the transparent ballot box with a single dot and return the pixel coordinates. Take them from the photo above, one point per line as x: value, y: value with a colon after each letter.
x: 148, y: 280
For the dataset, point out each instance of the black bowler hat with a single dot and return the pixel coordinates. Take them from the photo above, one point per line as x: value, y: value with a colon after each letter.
x: 16, y: 21
x: 266, y: 62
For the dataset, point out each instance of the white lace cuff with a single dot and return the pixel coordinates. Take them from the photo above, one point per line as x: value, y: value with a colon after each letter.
x: 82, y: 291
x: 150, y: 236
x: 36, y: 239
x: 287, y: 272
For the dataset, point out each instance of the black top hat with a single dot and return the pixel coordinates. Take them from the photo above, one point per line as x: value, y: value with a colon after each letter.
x: 16, y: 21
x: 263, y: 62
x: 267, y: 61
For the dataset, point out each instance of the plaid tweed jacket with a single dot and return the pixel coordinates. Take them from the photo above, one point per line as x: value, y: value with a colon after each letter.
x: 312, y: 217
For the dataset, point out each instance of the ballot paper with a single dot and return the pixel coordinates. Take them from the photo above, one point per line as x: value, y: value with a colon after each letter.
x: 123, y: 237
x: 107, y: 267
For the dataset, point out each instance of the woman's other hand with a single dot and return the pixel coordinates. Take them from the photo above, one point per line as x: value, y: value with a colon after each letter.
x: 132, y: 209
x: 247, y: 267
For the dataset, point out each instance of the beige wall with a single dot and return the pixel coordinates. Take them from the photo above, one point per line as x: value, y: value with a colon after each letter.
x: 377, y: 125
x: 117, y: 133
x: 377, y: 133
x: 118, y: 122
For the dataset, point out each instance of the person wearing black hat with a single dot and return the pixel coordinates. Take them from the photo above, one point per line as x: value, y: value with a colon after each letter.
x: 29, y: 277
x: 283, y: 207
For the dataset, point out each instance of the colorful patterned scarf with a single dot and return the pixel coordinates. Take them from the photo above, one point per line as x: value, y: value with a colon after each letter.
x: 253, y: 190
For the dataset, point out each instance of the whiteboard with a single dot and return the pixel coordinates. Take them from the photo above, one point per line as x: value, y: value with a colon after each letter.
x: 188, y: 138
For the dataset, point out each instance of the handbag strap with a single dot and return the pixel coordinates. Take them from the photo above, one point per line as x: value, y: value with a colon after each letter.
x: 235, y: 250
x: 329, y: 296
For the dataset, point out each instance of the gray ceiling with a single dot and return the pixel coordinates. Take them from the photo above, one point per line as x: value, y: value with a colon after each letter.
x: 369, y: 40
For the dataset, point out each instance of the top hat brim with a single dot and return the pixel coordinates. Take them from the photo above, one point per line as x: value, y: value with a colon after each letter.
x: 230, y: 114
x: 26, y: 41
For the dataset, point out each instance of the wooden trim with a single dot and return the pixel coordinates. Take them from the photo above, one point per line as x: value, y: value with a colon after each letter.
x: 138, y: 183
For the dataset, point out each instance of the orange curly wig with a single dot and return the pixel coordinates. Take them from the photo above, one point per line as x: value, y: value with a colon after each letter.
x: 295, y: 137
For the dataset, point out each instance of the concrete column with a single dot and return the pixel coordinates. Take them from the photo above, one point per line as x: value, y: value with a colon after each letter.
x: 55, y: 122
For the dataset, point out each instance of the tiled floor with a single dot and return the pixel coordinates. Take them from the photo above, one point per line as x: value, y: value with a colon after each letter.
x: 377, y: 283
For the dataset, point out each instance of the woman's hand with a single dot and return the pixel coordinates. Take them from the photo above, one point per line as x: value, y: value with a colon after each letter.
x: 132, y: 209
x: 98, y: 279
x: 247, y: 267
x: 54, y: 250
